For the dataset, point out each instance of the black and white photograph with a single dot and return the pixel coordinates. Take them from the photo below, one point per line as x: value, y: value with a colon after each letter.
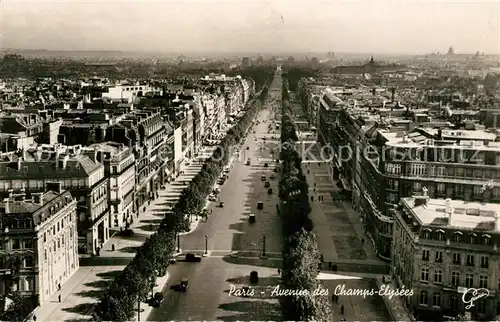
x: 249, y: 160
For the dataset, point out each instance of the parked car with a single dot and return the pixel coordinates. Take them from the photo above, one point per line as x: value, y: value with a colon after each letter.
x: 270, y: 191
x: 260, y: 205
x: 267, y: 184
x: 221, y: 204
x: 272, y: 177
x: 254, y: 277
x: 251, y: 218
x: 263, y: 178
x: 190, y: 257
x: 157, y: 299
x: 266, y: 165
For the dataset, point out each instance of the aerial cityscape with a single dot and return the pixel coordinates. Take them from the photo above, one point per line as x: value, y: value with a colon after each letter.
x: 246, y: 161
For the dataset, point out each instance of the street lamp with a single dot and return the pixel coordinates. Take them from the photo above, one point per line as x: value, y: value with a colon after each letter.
x: 264, y: 255
x: 206, y: 244
x: 178, y: 243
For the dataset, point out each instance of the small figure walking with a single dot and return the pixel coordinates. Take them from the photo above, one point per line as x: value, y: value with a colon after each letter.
x: 59, y: 297
x: 342, y: 310
x: 34, y: 317
x: 58, y: 287
x: 362, y: 241
x: 279, y: 271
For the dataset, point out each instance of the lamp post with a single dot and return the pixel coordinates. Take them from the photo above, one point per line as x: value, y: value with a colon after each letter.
x: 264, y: 246
x: 178, y: 243
x: 206, y: 244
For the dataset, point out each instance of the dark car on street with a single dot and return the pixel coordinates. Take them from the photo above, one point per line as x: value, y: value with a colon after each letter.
x: 156, y: 300
x: 267, y: 184
x: 190, y: 257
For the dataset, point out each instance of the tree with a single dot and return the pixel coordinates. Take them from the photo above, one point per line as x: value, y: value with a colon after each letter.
x: 110, y: 309
x: 18, y: 310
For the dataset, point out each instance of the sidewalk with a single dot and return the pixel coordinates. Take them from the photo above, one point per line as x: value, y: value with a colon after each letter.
x: 332, y: 224
x: 82, y: 291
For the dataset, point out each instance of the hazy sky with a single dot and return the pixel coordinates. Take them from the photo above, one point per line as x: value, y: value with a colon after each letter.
x: 381, y: 26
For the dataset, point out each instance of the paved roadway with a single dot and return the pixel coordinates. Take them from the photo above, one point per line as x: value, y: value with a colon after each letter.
x: 228, y: 230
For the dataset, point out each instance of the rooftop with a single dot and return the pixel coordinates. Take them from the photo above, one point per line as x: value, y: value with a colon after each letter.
x: 465, y: 215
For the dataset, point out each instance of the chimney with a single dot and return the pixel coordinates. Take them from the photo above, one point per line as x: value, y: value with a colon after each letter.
x: 440, y: 134
x: 38, y: 198
x: 448, y: 205
x: 497, y: 222
x: 19, y: 163
x: 420, y: 200
x: 63, y: 161
x: 53, y: 186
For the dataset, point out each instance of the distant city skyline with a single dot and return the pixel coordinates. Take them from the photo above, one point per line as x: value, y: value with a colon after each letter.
x: 379, y: 27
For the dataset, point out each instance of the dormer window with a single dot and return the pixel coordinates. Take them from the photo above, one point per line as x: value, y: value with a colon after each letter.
x: 440, y: 235
x: 486, y: 240
x: 472, y: 238
x: 427, y: 234
x: 457, y: 237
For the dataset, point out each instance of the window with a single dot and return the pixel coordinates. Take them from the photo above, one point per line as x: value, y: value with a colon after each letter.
x: 439, y: 257
x: 486, y: 241
x: 28, y: 261
x: 478, y: 173
x: 441, y: 171
x: 436, y: 299
x: 440, y: 235
x: 483, y: 281
x: 469, y: 280
x: 498, y: 308
x: 424, y: 276
x: 393, y: 184
x: 478, y: 191
x: 484, y: 262
x: 481, y: 306
x: 427, y: 234
x: 457, y: 238
x: 438, y: 276
x: 423, y: 298
x: 425, y: 255
x: 459, y: 172
x: 454, y: 302
x: 441, y: 188
x: 417, y: 170
x: 16, y: 244
x: 459, y: 190
x: 28, y: 243
x: 470, y: 260
x: 114, y: 169
x: 417, y: 186
x: 455, y: 278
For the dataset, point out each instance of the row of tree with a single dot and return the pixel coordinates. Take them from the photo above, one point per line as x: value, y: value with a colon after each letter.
x: 139, y: 277
x: 301, y: 256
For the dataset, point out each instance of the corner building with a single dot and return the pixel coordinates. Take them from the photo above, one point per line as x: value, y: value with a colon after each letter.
x: 38, y: 242
x: 443, y: 247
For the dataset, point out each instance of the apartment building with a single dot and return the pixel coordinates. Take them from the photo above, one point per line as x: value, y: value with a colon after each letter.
x: 119, y: 167
x: 441, y: 249
x: 38, y: 242
x: 80, y: 173
x: 144, y: 132
x: 380, y: 157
